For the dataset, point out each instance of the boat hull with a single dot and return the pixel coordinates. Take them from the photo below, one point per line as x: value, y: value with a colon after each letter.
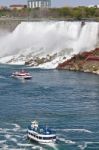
x: 22, y: 77
x: 41, y: 138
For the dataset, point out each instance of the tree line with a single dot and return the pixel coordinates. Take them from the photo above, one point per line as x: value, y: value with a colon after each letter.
x: 76, y: 13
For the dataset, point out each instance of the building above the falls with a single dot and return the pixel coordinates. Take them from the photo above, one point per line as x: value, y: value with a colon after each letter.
x: 39, y: 3
x: 17, y: 7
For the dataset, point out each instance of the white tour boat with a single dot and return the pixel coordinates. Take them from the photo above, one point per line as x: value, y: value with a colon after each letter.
x: 41, y: 134
x: 21, y: 75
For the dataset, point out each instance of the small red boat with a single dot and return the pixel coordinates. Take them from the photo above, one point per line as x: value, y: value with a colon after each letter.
x: 21, y: 75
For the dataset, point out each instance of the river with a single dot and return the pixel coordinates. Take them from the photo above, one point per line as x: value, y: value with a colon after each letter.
x: 64, y: 100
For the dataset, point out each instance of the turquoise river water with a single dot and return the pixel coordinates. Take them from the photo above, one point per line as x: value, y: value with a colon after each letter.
x: 64, y: 100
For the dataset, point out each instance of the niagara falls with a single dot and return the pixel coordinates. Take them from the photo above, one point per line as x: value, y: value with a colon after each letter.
x: 49, y: 75
x: 41, y: 39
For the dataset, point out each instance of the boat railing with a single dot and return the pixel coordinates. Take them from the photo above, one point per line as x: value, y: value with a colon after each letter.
x: 42, y: 130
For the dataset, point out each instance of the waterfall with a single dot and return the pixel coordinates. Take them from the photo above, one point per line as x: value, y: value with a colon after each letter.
x: 40, y: 39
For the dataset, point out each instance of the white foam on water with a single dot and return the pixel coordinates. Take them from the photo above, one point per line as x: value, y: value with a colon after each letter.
x: 66, y: 141
x: 53, y: 145
x: 24, y: 144
x: 18, y: 136
x: 38, y: 147
x: 2, y: 141
x: 62, y: 139
x: 2, y: 77
x: 17, y: 127
x: 82, y: 147
x: 13, y: 140
x: 8, y: 136
x: 77, y: 130
x: 23, y: 130
x: 85, y: 145
x: 4, y: 131
x: 13, y: 134
x: 70, y: 142
x: 16, y: 149
x: 5, y: 147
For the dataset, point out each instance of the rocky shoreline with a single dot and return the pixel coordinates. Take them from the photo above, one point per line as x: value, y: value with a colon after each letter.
x: 86, y: 62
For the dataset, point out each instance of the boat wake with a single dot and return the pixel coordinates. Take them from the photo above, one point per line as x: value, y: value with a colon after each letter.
x: 2, y: 77
x: 85, y: 145
x: 66, y: 141
x: 75, y: 130
x: 52, y: 145
x: 15, y: 138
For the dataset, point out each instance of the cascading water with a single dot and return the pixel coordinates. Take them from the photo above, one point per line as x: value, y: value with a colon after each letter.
x: 56, y: 40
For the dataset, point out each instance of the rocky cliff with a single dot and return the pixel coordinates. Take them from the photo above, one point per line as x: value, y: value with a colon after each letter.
x: 86, y: 61
x: 9, y: 24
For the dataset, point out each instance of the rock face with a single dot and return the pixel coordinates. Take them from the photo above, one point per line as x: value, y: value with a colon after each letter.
x: 9, y: 24
x: 86, y: 61
x: 38, y: 61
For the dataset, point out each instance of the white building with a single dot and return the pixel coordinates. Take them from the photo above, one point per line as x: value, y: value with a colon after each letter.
x: 39, y: 3
x: 17, y: 7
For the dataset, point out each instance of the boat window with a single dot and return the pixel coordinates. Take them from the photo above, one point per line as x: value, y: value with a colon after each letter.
x: 49, y: 138
x: 33, y: 135
x: 39, y: 137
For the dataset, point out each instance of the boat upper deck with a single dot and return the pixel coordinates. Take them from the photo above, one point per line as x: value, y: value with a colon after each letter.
x: 44, y: 130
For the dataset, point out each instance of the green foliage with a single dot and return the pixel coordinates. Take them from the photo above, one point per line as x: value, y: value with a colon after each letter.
x: 77, y: 13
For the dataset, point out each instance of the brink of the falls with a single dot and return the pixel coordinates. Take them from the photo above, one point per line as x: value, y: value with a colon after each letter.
x: 46, y: 44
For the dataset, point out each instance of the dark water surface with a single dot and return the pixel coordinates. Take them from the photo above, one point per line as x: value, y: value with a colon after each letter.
x: 66, y: 101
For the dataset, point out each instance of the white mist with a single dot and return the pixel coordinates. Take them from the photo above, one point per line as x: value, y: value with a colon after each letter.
x: 43, y: 38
